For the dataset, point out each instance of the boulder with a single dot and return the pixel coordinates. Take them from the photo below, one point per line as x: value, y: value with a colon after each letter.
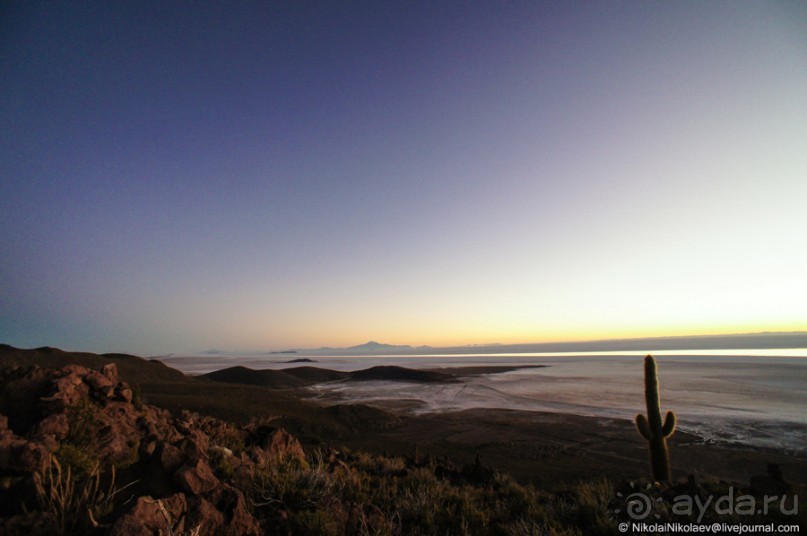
x: 196, y: 478
x: 123, y: 393
x: 68, y: 389
x: 117, y: 432
x: 275, y: 442
x: 204, y: 517
x: 110, y: 370
x: 196, y: 444
x: 98, y: 382
x: 169, y: 457
x: 55, y: 427
x: 151, y: 516
x: 20, y: 456
x: 238, y: 518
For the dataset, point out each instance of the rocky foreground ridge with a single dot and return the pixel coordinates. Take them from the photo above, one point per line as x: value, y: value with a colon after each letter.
x: 80, y: 453
x: 126, y: 467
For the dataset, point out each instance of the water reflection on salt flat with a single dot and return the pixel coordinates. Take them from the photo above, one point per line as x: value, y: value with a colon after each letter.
x: 753, y: 400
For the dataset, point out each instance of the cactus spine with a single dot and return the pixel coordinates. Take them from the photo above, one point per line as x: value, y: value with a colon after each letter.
x: 651, y: 427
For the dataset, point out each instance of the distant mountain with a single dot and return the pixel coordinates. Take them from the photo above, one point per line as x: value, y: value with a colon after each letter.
x: 370, y: 347
x: 767, y: 340
x: 742, y: 341
x: 373, y: 346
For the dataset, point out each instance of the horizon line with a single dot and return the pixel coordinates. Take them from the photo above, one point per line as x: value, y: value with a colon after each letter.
x: 499, y: 345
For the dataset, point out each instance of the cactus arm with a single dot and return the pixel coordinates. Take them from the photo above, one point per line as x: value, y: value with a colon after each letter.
x: 643, y: 427
x: 669, y: 424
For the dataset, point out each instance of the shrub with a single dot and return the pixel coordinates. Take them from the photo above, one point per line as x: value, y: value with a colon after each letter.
x: 75, y: 502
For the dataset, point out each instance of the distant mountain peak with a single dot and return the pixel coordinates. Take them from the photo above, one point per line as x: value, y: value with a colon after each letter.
x: 375, y: 345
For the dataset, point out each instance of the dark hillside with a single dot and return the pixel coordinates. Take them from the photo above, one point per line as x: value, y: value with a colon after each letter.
x: 156, y: 383
x: 316, y: 374
x: 275, y: 379
x: 132, y: 368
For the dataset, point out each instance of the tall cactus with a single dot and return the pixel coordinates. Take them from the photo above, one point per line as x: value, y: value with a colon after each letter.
x: 651, y: 426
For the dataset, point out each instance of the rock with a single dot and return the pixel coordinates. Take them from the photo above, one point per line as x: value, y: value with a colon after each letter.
x: 98, y: 381
x: 196, y: 478
x: 223, y: 452
x: 160, y: 423
x: 110, y: 370
x: 196, y: 444
x: 244, y: 474
x: 20, y: 456
x: 147, y: 449
x: 124, y: 394
x: 185, y: 422
x: 169, y: 457
x: 242, y: 522
x: 153, y: 516
x: 276, y: 442
x: 56, y: 426
x: 118, y: 435
x: 150, y: 435
x: 31, y: 457
x: 78, y: 370
x: 148, y: 427
x: 67, y: 390
x: 229, y: 516
x: 238, y: 518
x: 205, y: 518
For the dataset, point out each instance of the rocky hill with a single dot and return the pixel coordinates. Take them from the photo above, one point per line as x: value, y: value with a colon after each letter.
x: 133, y: 368
x: 78, y: 444
x: 303, y: 376
x: 275, y: 379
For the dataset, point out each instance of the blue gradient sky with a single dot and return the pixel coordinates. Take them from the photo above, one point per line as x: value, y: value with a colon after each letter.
x: 178, y: 176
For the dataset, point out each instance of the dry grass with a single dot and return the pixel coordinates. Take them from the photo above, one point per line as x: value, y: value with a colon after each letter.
x: 169, y: 521
x: 381, y: 495
x: 75, y: 503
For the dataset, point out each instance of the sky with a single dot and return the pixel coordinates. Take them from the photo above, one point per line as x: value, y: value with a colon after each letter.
x: 177, y: 176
